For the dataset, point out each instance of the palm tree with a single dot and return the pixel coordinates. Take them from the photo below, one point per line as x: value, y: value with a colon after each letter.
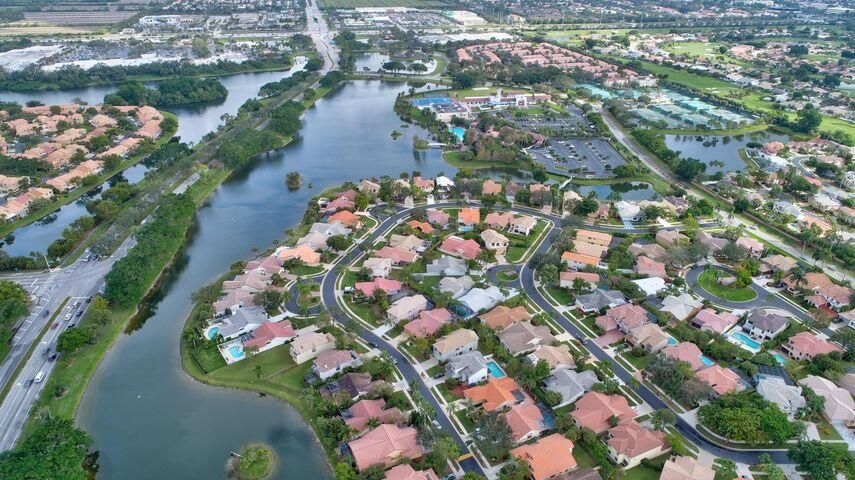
x: 799, y: 276
x: 259, y: 371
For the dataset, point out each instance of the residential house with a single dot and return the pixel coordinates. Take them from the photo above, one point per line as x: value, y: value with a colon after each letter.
x: 548, y: 457
x: 686, y: 352
x: 489, y: 187
x: 447, y: 266
x: 589, y: 249
x: 308, y: 345
x: 333, y: 362
x: 722, y: 380
x: 410, y: 243
x: 438, y: 218
x: 360, y: 414
x: 397, y: 255
x: 387, y: 285
x: 765, y: 325
x: 428, y: 322
x: 566, y: 279
x: 570, y: 384
x: 526, y: 421
x: 303, y: 253
x: 805, y: 346
x: 469, y: 217
x: 777, y: 263
x: 522, y: 337
x: 406, y: 472
x: 369, y: 187
x: 786, y: 208
x: 649, y: 337
x: 353, y: 384
x: 839, y: 406
x: 481, y: 299
x: 406, y: 308
x: 681, y: 307
x: 685, y: 468
x: 345, y: 217
x: 458, y: 247
x: 469, y: 368
x: 378, y: 267
x: 595, y: 410
x: 629, y: 443
x: 754, y: 247
x: 455, y: 286
x: 423, y: 184
x: 678, y: 204
x: 558, y: 357
x: 494, y: 240
x: 522, y: 225
x: 826, y: 294
x: 787, y: 397
x: 669, y: 238
x: 711, y: 321
x: 651, y: 268
x: 598, y: 300
x: 623, y: 317
x: 597, y: 238
x: 579, y: 261
x: 385, y: 445
x: 628, y: 211
x: 498, y: 220
x: 650, y: 286
x: 501, y: 316
x: 424, y: 227
x: 455, y: 343
x: 496, y: 394
x: 714, y: 244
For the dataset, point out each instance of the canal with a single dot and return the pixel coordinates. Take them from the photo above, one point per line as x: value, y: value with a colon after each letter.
x: 194, y: 121
x: 148, y: 418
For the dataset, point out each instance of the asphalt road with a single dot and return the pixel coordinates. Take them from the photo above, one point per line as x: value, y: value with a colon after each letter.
x: 527, y: 282
x: 76, y: 282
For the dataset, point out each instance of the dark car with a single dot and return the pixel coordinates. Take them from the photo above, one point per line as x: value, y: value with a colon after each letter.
x: 53, y: 356
x: 28, y: 383
x: 79, y: 313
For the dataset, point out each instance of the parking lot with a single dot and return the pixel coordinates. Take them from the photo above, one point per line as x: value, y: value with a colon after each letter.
x: 573, y: 123
x: 578, y: 157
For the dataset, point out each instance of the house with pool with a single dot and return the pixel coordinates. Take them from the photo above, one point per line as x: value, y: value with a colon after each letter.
x: 266, y: 336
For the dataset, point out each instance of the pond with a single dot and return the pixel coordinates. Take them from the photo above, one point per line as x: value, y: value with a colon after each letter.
x: 724, y: 149
x: 630, y: 191
x: 193, y: 123
x: 140, y: 405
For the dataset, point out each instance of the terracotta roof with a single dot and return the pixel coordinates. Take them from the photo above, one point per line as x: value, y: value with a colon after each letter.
x: 580, y: 258
x: 685, y: 352
x: 406, y: 472
x: 346, y: 217
x: 496, y: 393
x: 501, y: 316
x: 547, y: 457
x: 594, y: 409
x: 523, y: 419
x: 631, y: 439
x: 385, y: 444
x: 811, y: 345
x: 469, y: 216
x: 722, y: 380
x: 685, y: 468
x: 386, y: 284
x: 597, y: 238
x: 457, y: 246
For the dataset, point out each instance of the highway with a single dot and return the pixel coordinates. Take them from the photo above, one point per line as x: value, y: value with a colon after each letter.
x: 329, y: 297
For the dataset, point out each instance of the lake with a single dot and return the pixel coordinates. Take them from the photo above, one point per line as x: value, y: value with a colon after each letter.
x: 709, y: 148
x: 630, y: 191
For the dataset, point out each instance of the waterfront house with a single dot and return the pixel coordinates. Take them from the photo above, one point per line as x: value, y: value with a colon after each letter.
x: 385, y: 445
x: 345, y: 217
x: 307, y: 345
x: 333, y: 362
x: 353, y: 384
x: 368, y: 187
x: 489, y: 187
x: 628, y: 211
x: 303, y: 253
x: 359, y: 415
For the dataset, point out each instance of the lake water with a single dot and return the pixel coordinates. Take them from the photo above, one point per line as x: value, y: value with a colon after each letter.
x: 148, y: 419
x: 193, y: 123
x: 709, y: 148
x: 634, y: 191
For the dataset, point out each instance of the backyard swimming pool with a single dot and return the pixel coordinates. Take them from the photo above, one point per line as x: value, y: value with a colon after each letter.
x: 706, y: 360
x: 213, y: 332
x: 236, y: 351
x: 458, y: 132
x: 672, y: 341
x: 745, y: 340
x: 495, y: 370
x: 782, y: 360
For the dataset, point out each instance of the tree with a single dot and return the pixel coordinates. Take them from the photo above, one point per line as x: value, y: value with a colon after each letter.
x: 72, y: 339
x: 820, y: 460
x: 580, y: 285
x: 492, y: 435
x: 516, y: 469
x: 56, y: 449
x: 339, y: 242
x: 99, y: 310
x: 725, y: 468
x: 662, y: 418
x: 444, y: 449
x: 549, y: 275
x: 808, y: 120
x: 344, y: 471
x: 269, y: 299
x: 689, y: 168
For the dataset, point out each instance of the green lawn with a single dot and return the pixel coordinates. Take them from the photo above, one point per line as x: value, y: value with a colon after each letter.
x: 446, y: 393
x: 507, y: 276
x: 734, y: 294
x: 583, y: 458
x: 826, y: 431
x: 642, y: 472
x: 561, y: 295
x: 304, y: 270
x: 468, y: 424
x: 364, y: 311
x: 637, y: 362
